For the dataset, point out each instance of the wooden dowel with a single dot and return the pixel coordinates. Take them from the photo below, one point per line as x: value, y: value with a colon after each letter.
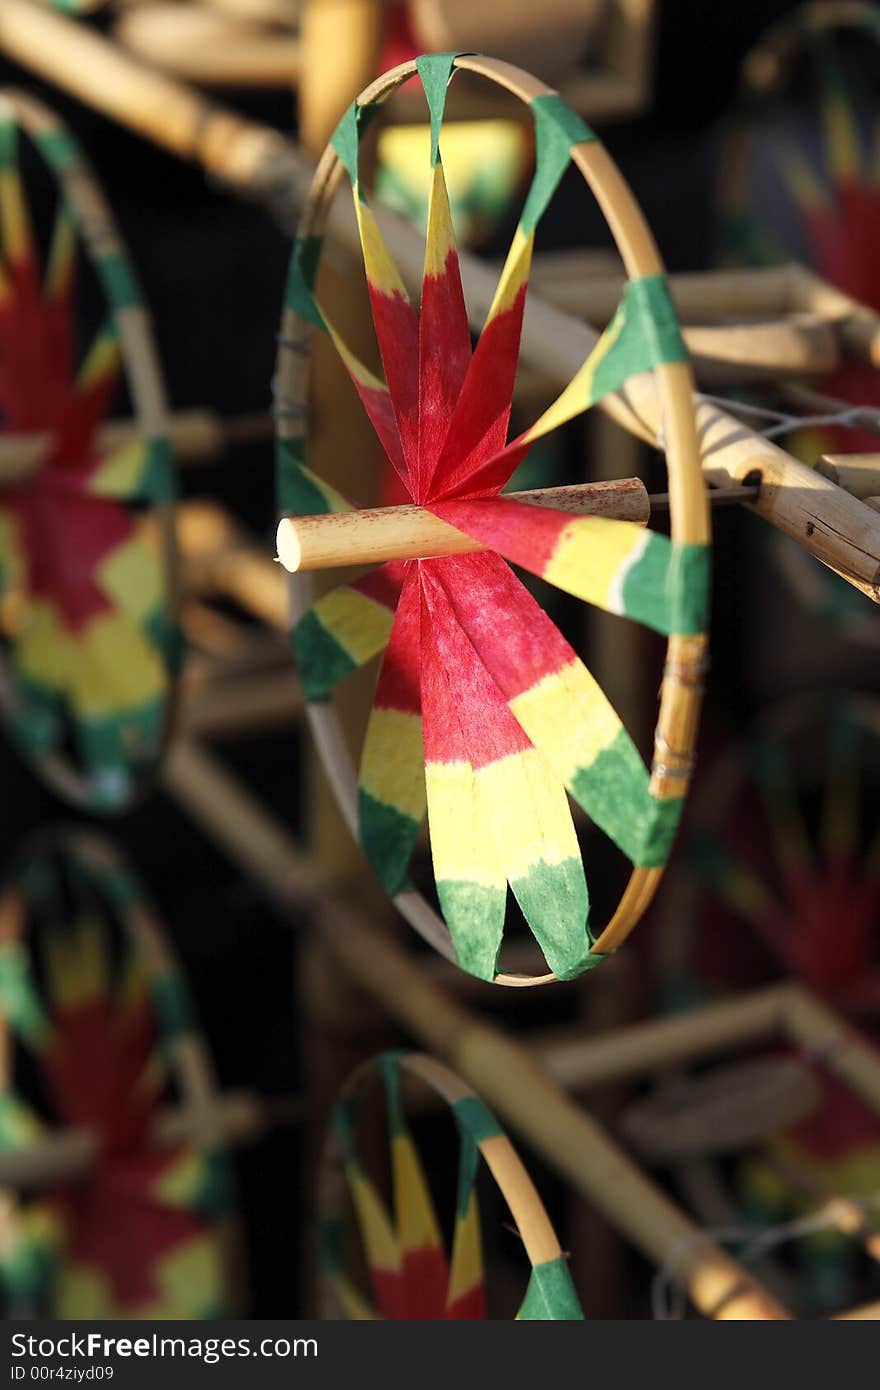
x: 655, y: 1046
x: 407, y: 532
x: 265, y: 700
x: 842, y: 1050
x: 857, y: 326
x: 837, y: 529
x: 210, y: 48
x: 858, y: 474
x: 218, y: 558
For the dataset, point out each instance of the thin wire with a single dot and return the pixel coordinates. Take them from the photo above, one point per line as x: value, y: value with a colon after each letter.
x: 669, y: 1297
x: 784, y: 422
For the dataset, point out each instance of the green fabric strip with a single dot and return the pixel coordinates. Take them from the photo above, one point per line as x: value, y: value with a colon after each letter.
x: 58, y: 148
x: 436, y: 71
x: 19, y: 1125
x: 331, y: 1243
x: 557, y: 128
x: 347, y: 136
x: 475, y: 917
x: 342, y: 1124
x: 302, y: 276
x: 387, y: 838
x: 667, y: 587
x: 8, y: 139
x: 19, y: 1002
x: 468, y: 1164
x: 551, y: 1295
x: 172, y: 1005
x: 555, y: 903
x: 321, y: 661
x: 474, y: 1118
x: 613, y: 791
x: 157, y: 480
x: 119, y: 281
x: 388, y: 1064
x: 650, y: 335
x: 298, y: 494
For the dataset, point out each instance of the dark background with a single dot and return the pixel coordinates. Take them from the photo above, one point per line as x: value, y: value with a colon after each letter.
x: 213, y: 271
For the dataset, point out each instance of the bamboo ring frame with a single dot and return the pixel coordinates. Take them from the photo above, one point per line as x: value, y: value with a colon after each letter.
x: 190, y: 1069
x: 513, y: 1181
x: 681, y: 688
x: 98, y: 234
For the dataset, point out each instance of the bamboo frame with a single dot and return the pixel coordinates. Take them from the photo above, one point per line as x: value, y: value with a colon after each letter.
x: 613, y: 85
x: 681, y: 686
x: 100, y: 237
x: 511, y: 1176
x: 258, y: 162
x: 208, y: 47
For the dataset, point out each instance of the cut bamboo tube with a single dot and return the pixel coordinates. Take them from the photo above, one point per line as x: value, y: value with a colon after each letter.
x: 210, y: 48
x: 838, y: 530
x: 407, y: 532
x: 858, y: 474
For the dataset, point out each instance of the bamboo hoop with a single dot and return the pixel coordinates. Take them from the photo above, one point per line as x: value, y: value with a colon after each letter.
x: 512, y: 1178
x: 858, y: 474
x: 102, y: 242
x: 208, y: 47
x: 258, y: 162
x: 203, y: 1114
x: 681, y: 686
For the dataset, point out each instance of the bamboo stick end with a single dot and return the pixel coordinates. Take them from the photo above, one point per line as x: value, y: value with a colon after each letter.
x: 288, y: 546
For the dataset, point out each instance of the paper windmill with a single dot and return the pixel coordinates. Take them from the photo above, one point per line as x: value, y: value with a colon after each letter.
x: 829, y: 214
x: 88, y: 646
x: 787, y: 841
x: 483, y: 713
x: 409, y: 1272
x: 103, y: 1035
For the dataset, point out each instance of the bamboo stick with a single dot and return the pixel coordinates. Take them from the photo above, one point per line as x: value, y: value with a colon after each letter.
x: 655, y: 1046
x: 858, y: 474
x: 408, y: 532
x: 261, y: 163
x: 210, y: 48
x: 231, y: 707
